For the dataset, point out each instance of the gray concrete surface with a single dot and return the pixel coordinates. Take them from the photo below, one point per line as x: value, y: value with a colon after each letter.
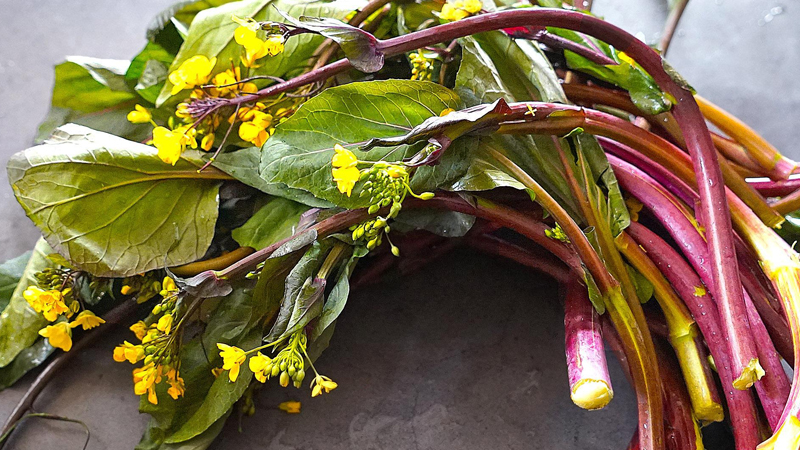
x: 465, y: 356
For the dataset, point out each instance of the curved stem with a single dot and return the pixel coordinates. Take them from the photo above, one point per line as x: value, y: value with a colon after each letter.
x: 672, y: 24
x: 115, y: 316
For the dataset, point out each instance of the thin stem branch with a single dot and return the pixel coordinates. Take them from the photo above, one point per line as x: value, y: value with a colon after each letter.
x: 671, y: 25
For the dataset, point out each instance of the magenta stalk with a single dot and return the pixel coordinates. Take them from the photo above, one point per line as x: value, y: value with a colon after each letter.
x: 587, y: 369
x: 689, y: 287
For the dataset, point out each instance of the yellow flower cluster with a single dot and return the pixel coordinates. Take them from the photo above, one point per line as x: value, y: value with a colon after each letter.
x: 255, y: 48
x: 52, y: 304
x: 158, y: 348
x: 460, y: 9
x: 288, y: 365
x: 385, y: 183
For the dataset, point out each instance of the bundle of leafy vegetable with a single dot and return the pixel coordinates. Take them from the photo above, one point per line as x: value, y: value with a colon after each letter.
x: 218, y: 192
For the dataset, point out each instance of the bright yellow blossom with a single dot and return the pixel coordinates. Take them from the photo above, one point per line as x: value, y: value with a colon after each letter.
x: 125, y: 290
x: 127, y: 351
x: 232, y: 359
x: 139, y: 329
x: 208, y: 142
x: 290, y: 407
x: 140, y: 114
x: 195, y: 71
x: 165, y: 324
x: 171, y: 143
x: 259, y: 364
x: 176, y: 386
x: 255, y: 129
x: 460, y: 9
x: 144, y: 380
x: 254, y: 47
x: 87, y: 320
x: 345, y: 173
x: 49, y: 303
x: 168, y: 288
x: 322, y: 384
x: 59, y: 335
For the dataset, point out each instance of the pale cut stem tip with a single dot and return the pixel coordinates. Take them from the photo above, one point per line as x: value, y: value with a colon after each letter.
x: 592, y: 394
x: 751, y: 373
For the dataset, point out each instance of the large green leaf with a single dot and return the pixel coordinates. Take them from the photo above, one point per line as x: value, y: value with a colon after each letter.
x: 111, y: 206
x: 274, y: 221
x: 243, y: 165
x: 299, y: 153
x: 93, y: 92
x: 147, y: 72
x: 10, y: 273
x: 211, y: 35
x: 19, y: 323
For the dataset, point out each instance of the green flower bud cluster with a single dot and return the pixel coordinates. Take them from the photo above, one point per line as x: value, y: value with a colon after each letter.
x: 144, y: 286
x: 53, y: 279
x: 288, y: 366
x: 557, y: 233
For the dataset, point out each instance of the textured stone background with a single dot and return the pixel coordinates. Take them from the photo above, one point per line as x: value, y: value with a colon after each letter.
x: 468, y: 355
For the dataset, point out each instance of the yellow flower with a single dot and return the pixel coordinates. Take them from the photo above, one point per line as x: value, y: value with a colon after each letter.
x: 254, y: 47
x: 176, y: 386
x: 168, y: 287
x: 343, y: 157
x: 171, y: 143
x: 125, y: 290
x: 460, y: 9
x: 87, y: 320
x: 144, y: 380
x: 127, y: 351
x: 59, y: 335
x: 261, y: 364
x: 322, y: 384
x: 139, y: 329
x: 346, y: 179
x: 232, y: 359
x: 345, y: 173
x: 208, y: 142
x: 255, y: 130
x: 140, y: 114
x: 49, y: 303
x: 195, y: 71
x: 290, y: 407
x: 165, y: 324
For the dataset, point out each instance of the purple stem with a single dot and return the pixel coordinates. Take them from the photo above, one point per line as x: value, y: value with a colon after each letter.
x: 684, y: 280
x: 769, y: 188
x: 761, y: 293
x: 773, y: 389
x: 589, y: 382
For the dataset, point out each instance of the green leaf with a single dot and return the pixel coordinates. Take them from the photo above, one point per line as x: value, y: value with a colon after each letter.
x: 211, y: 35
x: 274, y: 221
x: 220, y: 398
x: 243, y: 165
x: 93, y: 92
x: 644, y: 91
x: 111, y: 206
x: 299, y: 153
x: 334, y: 304
x: 26, y: 360
x: 300, y: 293
x: 444, y: 223
x: 152, y: 441
x: 644, y: 288
x: 148, y: 71
x: 10, y: 273
x: 19, y: 323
